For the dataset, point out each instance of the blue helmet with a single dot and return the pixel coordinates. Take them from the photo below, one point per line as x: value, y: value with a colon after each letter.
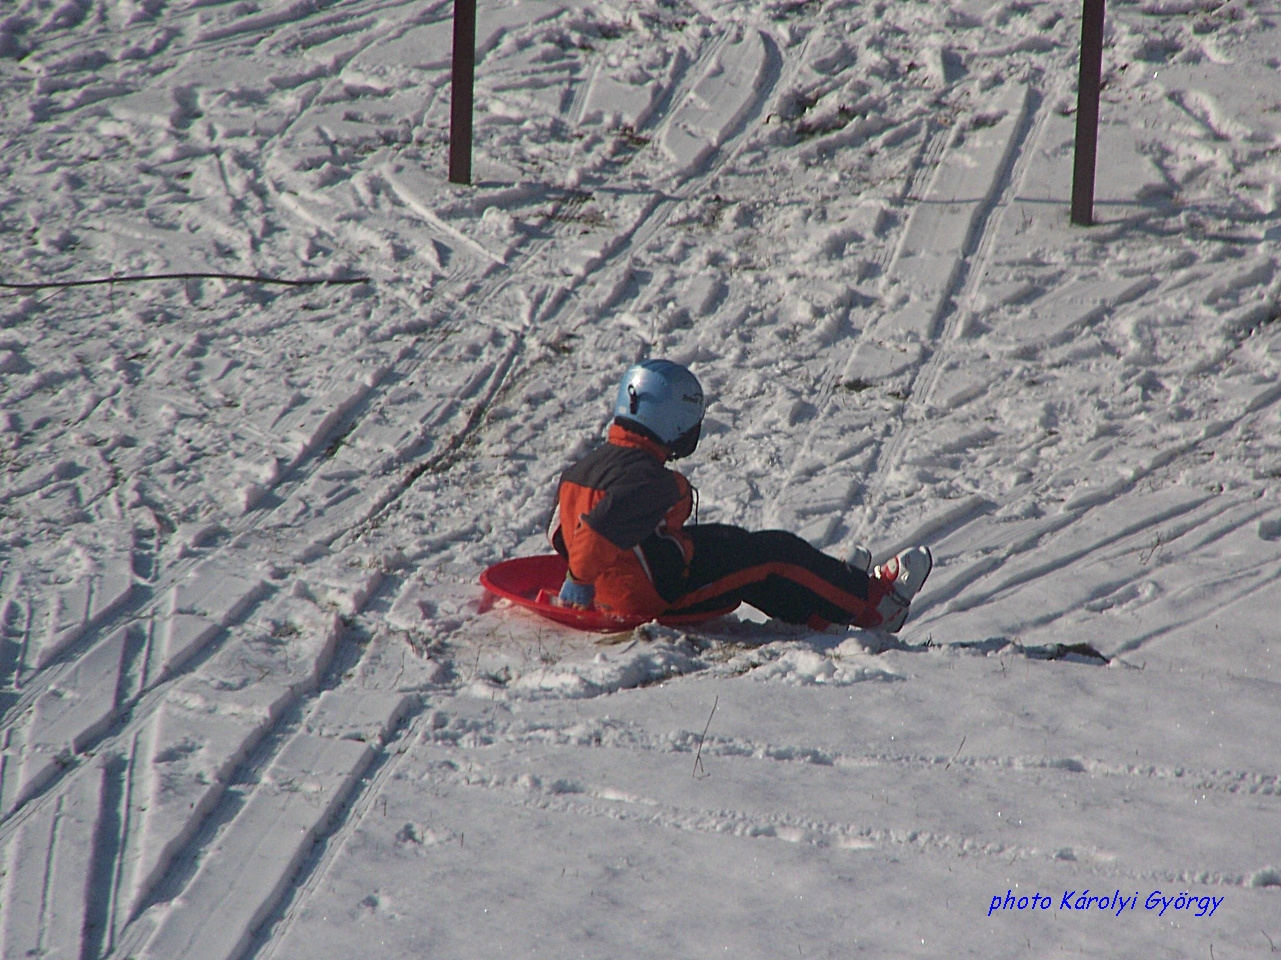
x: 665, y: 401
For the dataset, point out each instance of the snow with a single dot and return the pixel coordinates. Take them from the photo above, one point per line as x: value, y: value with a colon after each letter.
x: 255, y: 703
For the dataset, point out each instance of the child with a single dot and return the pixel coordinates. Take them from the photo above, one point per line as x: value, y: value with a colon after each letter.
x: 620, y: 523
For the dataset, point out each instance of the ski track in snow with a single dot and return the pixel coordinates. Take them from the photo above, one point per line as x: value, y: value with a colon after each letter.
x: 242, y: 528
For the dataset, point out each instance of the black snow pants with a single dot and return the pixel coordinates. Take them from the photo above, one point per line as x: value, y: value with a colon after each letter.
x: 774, y: 571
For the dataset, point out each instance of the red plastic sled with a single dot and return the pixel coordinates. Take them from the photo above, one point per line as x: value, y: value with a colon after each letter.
x: 534, y: 583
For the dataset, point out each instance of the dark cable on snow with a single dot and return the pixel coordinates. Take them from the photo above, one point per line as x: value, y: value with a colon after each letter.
x: 140, y: 278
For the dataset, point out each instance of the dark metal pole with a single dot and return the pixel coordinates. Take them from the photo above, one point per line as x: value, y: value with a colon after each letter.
x: 460, y: 101
x: 1087, y: 113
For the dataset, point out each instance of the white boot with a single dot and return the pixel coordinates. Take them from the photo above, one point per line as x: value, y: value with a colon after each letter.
x: 904, y: 575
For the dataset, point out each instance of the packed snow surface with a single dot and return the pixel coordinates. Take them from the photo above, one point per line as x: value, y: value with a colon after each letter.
x: 255, y: 704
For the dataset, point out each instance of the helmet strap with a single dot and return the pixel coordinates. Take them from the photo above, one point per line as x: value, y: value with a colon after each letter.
x: 685, y: 444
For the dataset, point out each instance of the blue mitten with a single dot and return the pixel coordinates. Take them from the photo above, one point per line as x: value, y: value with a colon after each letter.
x: 575, y: 594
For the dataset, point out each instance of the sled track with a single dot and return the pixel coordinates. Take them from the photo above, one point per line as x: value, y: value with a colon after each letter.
x: 312, y: 871
x: 953, y: 298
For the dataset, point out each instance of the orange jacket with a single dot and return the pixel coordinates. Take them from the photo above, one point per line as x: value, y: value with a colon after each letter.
x: 618, y: 523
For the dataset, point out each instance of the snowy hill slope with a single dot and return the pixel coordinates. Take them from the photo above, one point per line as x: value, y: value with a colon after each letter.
x: 255, y: 703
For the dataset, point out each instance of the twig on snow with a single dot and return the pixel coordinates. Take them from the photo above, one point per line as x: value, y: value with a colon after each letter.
x: 698, y: 757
